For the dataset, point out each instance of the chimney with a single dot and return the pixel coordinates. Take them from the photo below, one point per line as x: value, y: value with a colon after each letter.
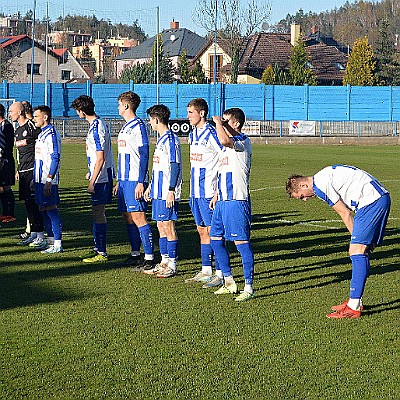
x: 174, y: 25
x: 294, y: 33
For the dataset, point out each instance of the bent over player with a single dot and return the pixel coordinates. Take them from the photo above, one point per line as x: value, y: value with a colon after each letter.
x: 232, y: 214
x: 363, y: 204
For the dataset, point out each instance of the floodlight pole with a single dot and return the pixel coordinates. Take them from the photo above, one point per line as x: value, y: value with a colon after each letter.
x: 215, y: 56
x: 46, y: 70
x: 33, y: 50
x: 157, y: 56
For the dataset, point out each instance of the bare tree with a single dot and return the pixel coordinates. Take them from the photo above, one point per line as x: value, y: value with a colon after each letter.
x: 234, y: 23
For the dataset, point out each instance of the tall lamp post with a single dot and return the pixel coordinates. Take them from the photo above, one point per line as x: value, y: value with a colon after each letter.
x: 33, y: 50
x: 215, y: 55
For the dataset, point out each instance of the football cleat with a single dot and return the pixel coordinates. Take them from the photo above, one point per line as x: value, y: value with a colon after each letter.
x: 52, y: 250
x: 346, y: 312
x: 99, y: 258
x: 167, y: 272
x: 199, y: 277
x: 26, y: 242
x: 155, y: 269
x: 231, y: 289
x: 213, y: 282
x: 244, y: 296
x: 7, y: 218
x: 39, y: 244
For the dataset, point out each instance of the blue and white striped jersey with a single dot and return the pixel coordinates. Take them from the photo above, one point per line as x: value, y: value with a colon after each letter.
x: 204, y: 155
x: 47, y: 155
x: 167, y: 151
x: 133, y: 152
x: 234, y: 170
x: 355, y: 187
x: 99, y: 139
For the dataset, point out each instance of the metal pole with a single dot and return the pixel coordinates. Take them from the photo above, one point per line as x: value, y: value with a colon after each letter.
x: 33, y: 50
x: 46, y: 71
x: 215, y: 56
x: 157, y: 56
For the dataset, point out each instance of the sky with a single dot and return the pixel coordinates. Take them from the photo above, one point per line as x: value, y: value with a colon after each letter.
x: 125, y: 11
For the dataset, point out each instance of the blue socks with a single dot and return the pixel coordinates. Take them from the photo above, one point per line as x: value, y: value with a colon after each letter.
x: 206, y: 255
x: 146, y: 236
x: 359, y: 274
x: 100, y: 237
x: 134, y: 237
x: 221, y: 256
x: 247, y: 255
x: 172, y: 246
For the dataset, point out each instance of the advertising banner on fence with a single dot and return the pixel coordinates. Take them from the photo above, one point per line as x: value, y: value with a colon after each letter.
x: 302, y: 128
x: 252, y: 128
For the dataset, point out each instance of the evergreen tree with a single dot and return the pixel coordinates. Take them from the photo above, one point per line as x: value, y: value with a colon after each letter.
x: 361, y: 67
x: 299, y: 66
x: 197, y: 73
x: 387, y: 66
x: 165, y: 68
x: 139, y: 73
x: 183, y: 68
x: 268, y: 76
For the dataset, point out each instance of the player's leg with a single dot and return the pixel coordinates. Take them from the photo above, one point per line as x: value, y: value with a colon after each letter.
x: 368, y: 230
x: 146, y: 236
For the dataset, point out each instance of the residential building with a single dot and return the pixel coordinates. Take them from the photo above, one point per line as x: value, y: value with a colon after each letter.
x: 16, y: 53
x: 12, y: 25
x: 328, y: 59
x: 175, y: 40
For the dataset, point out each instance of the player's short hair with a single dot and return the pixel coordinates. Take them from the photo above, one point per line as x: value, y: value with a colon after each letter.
x: 238, y: 114
x: 293, y: 183
x: 27, y: 107
x: 2, y: 111
x: 44, y: 110
x: 161, y: 112
x: 199, y: 105
x: 85, y: 104
x: 131, y: 98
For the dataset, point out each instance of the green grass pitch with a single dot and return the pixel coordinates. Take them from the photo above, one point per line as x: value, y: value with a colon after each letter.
x: 74, y: 331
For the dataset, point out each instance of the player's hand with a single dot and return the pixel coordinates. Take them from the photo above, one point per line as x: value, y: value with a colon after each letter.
x: 146, y: 194
x: 87, y: 176
x: 115, y: 190
x: 217, y: 119
x: 170, y: 199
x: 213, y: 201
x: 47, y: 189
x: 90, y: 188
x: 139, y: 191
x: 17, y: 176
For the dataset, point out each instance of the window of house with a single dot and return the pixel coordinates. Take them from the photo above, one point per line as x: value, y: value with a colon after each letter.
x: 340, y: 66
x: 211, y: 66
x: 36, y: 69
x: 65, y: 75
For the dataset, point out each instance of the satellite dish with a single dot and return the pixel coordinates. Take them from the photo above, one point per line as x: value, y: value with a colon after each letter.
x: 265, y: 26
x: 172, y: 38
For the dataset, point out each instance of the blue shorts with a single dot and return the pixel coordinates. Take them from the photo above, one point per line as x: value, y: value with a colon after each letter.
x: 44, y: 201
x: 370, y: 222
x: 231, y: 220
x: 102, y: 193
x: 201, y: 211
x: 126, y: 198
x: 160, y: 212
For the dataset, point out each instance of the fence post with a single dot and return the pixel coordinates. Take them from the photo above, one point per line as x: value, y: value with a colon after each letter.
x: 306, y: 101
x: 176, y: 99
x: 320, y: 129
x: 131, y: 85
x: 5, y: 89
x: 391, y: 103
x: 89, y: 88
x: 348, y: 88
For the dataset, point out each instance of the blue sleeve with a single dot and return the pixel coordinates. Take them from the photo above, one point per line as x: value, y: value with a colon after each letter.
x: 143, y: 163
x: 55, y: 156
x: 175, y: 172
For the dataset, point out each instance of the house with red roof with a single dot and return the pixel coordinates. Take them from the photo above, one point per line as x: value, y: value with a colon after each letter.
x: 16, y: 55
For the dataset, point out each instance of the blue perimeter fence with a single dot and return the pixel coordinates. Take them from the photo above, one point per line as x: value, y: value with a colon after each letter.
x: 259, y: 102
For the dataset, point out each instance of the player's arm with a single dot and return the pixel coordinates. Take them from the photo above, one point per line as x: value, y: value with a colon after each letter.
x: 55, y: 157
x: 143, y: 166
x: 224, y: 135
x: 96, y: 170
x: 345, y: 214
x: 175, y: 172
